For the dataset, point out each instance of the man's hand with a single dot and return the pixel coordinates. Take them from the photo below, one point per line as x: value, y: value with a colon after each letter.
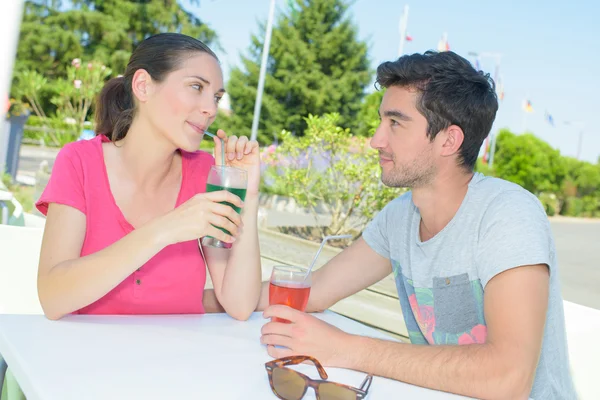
x: 304, y: 335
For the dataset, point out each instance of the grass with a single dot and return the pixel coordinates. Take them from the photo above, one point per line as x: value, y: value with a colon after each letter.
x: 23, y: 194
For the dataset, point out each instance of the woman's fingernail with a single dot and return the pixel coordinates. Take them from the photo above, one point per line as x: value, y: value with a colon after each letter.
x: 231, y: 156
x: 239, y: 156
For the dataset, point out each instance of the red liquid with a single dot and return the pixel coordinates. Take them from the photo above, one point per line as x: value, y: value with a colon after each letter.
x: 295, y: 297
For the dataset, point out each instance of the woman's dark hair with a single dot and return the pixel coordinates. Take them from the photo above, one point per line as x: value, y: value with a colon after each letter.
x: 158, y: 55
x: 451, y: 91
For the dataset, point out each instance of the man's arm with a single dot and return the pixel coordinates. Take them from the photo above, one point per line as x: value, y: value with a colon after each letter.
x: 354, y: 269
x: 515, y: 304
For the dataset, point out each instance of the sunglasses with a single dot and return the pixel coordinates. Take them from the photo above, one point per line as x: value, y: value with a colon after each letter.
x: 288, y: 384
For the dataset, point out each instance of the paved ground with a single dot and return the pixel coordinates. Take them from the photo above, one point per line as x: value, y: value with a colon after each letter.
x: 578, y: 250
x: 32, y: 156
x: 577, y: 242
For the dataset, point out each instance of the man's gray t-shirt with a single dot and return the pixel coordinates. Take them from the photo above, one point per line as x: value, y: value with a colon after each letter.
x: 441, y: 282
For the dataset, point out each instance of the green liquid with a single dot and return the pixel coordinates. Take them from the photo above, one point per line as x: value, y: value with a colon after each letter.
x: 241, y: 193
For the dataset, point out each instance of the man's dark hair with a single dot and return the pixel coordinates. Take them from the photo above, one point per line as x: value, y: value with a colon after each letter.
x: 451, y: 91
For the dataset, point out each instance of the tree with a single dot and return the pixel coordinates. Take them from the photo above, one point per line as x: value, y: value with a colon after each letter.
x: 55, y: 32
x: 316, y: 65
x: 529, y: 162
x: 367, y: 119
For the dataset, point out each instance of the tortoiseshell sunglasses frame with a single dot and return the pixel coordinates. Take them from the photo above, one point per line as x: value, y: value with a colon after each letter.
x: 360, y: 392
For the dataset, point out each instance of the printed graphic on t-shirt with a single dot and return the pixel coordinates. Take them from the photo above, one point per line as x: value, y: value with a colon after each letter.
x: 450, y: 312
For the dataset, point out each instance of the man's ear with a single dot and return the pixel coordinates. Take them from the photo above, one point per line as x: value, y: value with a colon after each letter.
x: 451, y: 139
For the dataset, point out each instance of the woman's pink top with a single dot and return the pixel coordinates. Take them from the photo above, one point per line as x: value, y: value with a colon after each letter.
x: 172, y: 282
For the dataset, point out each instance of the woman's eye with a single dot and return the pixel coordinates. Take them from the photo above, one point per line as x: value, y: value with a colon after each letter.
x: 218, y: 99
x: 197, y: 86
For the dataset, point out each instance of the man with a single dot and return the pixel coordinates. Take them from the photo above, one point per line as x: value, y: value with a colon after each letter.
x: 473, y: 257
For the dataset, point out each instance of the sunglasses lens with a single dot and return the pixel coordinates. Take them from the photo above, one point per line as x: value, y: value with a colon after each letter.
x: 330, y: 391
x: 288, y: 384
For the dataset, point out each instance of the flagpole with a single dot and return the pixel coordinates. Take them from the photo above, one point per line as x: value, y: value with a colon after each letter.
x: 263, y: 71
x: 403, y: 29
x: 580, y: 126
x: 498, y: 58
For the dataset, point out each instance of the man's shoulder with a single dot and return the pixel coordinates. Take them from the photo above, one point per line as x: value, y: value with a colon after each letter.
x: 499, y: 193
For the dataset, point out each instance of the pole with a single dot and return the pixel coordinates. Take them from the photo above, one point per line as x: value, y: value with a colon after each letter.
x: 263, y: 71
x: 492, y: 151
x: 498, y: 58
x: 11, y: 13
x: 581, y: 126
x: 403, y: 29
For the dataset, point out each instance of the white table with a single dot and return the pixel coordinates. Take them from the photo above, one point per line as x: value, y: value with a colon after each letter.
x: 160, y: 357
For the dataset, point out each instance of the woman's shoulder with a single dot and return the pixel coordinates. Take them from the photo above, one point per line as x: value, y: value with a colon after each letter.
x: 82, y: 149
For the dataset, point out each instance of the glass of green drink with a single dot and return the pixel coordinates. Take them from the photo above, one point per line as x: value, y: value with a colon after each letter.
x: 233, y: 180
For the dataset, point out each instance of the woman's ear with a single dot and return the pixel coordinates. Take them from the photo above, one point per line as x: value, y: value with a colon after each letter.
x: 141, y: 85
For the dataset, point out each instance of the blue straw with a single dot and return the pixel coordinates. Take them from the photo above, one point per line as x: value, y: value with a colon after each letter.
x: 212, y: 135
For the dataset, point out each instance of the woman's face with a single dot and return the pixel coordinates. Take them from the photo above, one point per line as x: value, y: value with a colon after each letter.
x: 184, y: 104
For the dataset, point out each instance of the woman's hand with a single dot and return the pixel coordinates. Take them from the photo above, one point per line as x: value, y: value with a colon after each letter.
x: 195, y: 218
x: 240, y: 153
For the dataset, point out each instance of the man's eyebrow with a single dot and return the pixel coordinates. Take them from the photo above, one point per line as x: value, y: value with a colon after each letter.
x: 397, y: 114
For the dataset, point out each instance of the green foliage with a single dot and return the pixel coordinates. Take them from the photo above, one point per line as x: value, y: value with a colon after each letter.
x: 75, y: 95
x: 328, y: 166
x: 23, y: 194
x: 529, y: 162
x: 550, y: 202
x: 316, y: 65
x: 367, y: 119
x: 55, y: 32
x: 51, y: 132
x: 564, y: 185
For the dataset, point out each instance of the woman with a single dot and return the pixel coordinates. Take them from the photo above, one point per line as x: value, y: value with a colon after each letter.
x: 125, y: 209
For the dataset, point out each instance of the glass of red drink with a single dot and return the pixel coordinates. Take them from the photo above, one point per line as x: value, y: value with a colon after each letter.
x: 289, y: 286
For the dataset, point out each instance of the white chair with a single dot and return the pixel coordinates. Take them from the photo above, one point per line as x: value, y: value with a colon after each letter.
x: 583, y: 329
x: 19, y: 257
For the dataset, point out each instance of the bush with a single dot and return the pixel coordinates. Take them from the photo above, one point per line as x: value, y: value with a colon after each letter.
x: 51, y: 131
x: 329, y: 171
x: 550, y: 203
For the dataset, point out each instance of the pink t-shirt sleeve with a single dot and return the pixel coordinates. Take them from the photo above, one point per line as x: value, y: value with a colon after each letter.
x: 65, y: 185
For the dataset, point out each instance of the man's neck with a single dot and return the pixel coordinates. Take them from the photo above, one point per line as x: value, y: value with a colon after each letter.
x: 439, y: 201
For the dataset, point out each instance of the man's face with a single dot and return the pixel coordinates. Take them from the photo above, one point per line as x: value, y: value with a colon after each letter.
x: 406, y: 154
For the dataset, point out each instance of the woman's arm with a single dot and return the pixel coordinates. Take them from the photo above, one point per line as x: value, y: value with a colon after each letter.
x: 68, y: 282
x: 236, y: 272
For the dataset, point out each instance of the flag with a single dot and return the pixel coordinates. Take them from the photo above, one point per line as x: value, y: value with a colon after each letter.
x: 527, y: 107
x: 486, y: 151
x: 549, y: 118
x: 443, y: 43
x: 408, y: 38
x: 500, y: 89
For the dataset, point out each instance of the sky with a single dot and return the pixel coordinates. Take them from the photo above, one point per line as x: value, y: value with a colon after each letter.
x: 550, y: 52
